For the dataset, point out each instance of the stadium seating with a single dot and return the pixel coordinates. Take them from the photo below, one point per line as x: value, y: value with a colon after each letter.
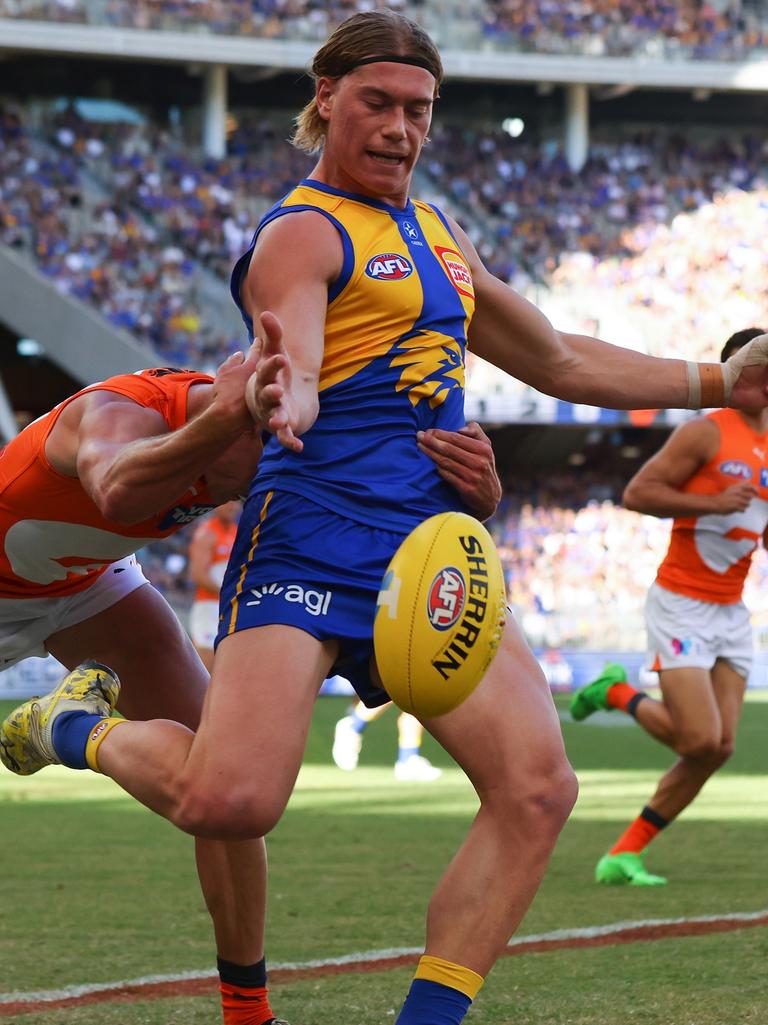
x: 692, y: 29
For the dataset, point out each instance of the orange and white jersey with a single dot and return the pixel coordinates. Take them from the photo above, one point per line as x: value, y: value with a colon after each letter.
x: 54, y: 541
x: 709, y: 556
x: 223, y: 537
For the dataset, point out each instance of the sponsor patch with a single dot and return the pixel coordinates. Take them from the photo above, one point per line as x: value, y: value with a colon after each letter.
x: 735, y: 468
x: 389, y: 267
x: 181, y: 515
x: 764, y: 478
x: 445, y: 601
x: 457, y: 270
x: 316, y: 603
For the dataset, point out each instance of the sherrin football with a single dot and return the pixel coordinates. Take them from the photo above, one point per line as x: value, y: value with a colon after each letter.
x: 440, y: 614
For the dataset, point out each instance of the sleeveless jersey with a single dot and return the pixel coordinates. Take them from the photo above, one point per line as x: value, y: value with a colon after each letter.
x: 53, y: 539
x: 709, y: 556
x: 223, y: 536
x: 393, y: 364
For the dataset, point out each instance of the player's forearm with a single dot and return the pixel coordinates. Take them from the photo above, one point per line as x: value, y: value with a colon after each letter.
x: 667, y: 502
x: 150, y: 474
x: 600, y: 374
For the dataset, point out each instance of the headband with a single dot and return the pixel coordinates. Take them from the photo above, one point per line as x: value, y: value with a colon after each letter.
x: 417, y: 62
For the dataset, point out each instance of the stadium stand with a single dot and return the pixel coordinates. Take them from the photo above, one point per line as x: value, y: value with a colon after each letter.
x: 693, y: 29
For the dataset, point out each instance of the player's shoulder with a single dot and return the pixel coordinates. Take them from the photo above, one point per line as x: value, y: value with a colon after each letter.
x: 700, y: 436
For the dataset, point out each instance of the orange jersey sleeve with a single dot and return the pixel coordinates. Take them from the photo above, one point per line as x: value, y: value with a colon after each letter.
x: 54, y: 539
x: 709, y: 556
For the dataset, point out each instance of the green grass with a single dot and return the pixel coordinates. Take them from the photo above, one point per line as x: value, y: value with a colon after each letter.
x: 96, y: 889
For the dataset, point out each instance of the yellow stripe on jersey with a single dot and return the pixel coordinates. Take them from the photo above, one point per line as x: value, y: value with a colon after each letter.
x: 244, y: 567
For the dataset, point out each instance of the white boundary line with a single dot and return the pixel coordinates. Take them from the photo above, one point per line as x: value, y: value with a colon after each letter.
x: 588, y: 932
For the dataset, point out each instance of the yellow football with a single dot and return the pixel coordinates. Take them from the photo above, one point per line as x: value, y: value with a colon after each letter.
x: 440, y: 614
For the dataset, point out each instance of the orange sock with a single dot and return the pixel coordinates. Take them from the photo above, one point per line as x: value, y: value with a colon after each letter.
x: 245, y: 1005
x: 645, y: 827
x: 619, y: 696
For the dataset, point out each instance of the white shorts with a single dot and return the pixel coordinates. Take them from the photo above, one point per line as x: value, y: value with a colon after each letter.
x: 204, y: 623
x: 27, y: 623
x: 686, y: 633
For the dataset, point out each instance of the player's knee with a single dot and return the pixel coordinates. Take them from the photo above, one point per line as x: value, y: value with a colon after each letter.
x: 703, y: 746
x: 542, y: 803
x: 226, y: 813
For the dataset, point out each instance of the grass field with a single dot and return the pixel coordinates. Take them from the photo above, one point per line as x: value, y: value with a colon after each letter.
x: 94, y: 889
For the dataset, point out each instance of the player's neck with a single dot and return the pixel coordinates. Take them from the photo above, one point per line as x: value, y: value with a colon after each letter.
x: 755, y: 419
x: 329, y: 172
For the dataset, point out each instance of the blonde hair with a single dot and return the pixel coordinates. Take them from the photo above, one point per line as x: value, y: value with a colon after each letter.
x: 379, y: 33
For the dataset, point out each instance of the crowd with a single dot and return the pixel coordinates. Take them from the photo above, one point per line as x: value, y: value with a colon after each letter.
x: 696, y: 29
x: 531, y: 209
x: 664, y: 230
x: 119, y: 216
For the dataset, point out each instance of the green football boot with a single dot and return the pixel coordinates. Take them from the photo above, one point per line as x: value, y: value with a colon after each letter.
x: 625, y: 869
x: 26, y: 744
x: 594, y: 696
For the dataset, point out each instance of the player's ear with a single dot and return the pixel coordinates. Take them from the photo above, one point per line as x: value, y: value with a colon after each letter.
x: 325, y: 90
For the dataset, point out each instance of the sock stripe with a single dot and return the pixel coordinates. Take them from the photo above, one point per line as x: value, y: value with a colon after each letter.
x: 435, y: 969
x: 653, y: 817
x: 96, y: 738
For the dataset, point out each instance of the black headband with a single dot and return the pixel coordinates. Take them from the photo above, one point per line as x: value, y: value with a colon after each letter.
x: 417, y: 62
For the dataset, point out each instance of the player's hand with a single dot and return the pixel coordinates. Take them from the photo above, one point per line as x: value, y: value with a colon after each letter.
x: 745, y: 375
x: 229, y: 388
x: 268, y: 393
x: 464, y: 459
x: 735, y: 498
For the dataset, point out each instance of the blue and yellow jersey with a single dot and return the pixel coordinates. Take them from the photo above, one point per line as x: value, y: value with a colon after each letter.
x: 395, y: 337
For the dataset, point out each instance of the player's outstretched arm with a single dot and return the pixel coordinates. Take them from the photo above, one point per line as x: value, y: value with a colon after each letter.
x: 132, y: 465
x: 515, y: 336
x: 656, y: 488
x: 465, y: 460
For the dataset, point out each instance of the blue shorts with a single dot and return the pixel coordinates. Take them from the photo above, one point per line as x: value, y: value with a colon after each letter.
x: 295, y: 563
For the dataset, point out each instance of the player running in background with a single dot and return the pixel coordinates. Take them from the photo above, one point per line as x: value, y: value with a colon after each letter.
x: 411, y: 766
x: 378, y: 296
x: 712, y: 477
x: 208, y: 556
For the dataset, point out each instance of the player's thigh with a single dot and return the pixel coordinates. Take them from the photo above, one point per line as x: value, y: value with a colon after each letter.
x: 729, y: 688
x: 507, y: 731
x: 689, y: 697
x: 140, y: 638
x: 258, y: 711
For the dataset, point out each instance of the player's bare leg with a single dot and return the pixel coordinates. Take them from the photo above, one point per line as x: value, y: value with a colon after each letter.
x: 506, y: 737
x: 703, y: 708
x: 162, y: 677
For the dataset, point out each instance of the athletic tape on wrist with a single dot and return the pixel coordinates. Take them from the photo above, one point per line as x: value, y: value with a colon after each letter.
x: 707, y: 388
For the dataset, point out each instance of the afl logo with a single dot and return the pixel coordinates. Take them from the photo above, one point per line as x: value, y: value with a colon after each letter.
x: 735, y: 468
x: 446, y: 598
x: 389, y: 267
